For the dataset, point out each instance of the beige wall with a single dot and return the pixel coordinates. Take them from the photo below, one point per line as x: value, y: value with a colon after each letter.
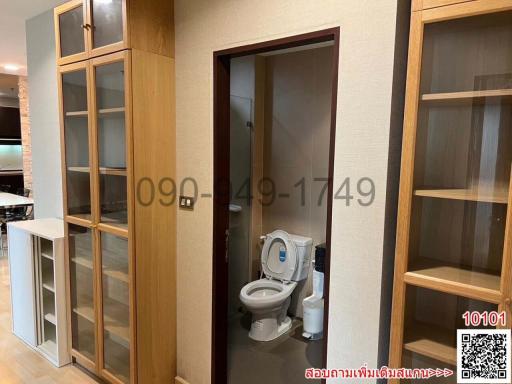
x: 362, y: 143
x: 296, y: 147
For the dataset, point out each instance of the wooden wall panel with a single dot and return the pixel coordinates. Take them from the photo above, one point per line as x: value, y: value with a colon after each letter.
x: 155, y: 224
x: 151, y: 26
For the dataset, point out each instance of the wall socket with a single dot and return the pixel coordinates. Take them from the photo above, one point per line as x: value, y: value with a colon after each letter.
x: 186, y: 202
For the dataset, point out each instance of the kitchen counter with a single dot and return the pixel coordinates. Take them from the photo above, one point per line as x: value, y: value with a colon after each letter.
x: 11, y: 172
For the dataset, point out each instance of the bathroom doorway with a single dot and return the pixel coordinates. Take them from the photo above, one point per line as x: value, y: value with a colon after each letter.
x: 274, y: 122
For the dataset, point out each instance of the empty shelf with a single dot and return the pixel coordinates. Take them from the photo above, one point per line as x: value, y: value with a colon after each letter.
x: 49, y: 347
x: 51, y: 318
x: 113, y: 171
x: 49, y: 285
x: 110, y: 272
x: 77, y: 114
x: 85, y: 311
x: 468, y: 96
x: 84, y: 262
x: 452, y: 279
x: 79, y: 169
x: 110, y: 111
x: 102, y: 170
x: 487, y: 196
x: 115, y: 317
x: 47, y: 256
x: 431, y: 341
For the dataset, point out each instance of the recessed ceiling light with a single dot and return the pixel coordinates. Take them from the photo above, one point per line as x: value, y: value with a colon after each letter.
x: 11, y: 67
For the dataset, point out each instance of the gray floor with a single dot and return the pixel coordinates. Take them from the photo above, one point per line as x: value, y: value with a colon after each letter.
x: 281, y: 361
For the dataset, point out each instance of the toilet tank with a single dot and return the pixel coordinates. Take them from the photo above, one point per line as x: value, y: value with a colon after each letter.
x: 304, y: 247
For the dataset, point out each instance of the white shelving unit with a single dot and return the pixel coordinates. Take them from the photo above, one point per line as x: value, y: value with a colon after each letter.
x: 38, y: 287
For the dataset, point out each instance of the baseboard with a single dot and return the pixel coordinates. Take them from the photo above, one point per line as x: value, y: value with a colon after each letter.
x: 179, y: 380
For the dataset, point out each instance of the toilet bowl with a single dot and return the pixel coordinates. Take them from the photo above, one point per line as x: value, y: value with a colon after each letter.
x: 284, y: 260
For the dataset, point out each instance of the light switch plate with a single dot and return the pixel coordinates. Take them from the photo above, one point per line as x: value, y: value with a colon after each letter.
x: 186, y: 202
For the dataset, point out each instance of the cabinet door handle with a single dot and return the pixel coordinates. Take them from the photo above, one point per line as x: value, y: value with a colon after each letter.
x: 86, y: 26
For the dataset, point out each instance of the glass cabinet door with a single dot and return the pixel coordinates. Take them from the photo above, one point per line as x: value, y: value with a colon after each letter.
x: 76, y: 134
x: 463, y: 151
x: 109, y: 87
x: 107, y: 22
x: 81, y: 264
x: 462, y: 168
x: 116, y: 306
x: 71, y: 31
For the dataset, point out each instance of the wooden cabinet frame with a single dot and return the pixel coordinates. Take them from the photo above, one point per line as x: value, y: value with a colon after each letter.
x: 424, y: 12
x: 147, y: 25
x: 147, y: 51
x: 88, y: 27
x: 94, y: 224
x: 59, y: 11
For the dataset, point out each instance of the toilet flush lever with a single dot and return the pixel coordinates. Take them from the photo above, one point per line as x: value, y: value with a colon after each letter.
x: 227, y: 245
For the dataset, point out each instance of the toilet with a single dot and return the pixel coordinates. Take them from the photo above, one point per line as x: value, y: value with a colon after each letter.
x: 285, y: 260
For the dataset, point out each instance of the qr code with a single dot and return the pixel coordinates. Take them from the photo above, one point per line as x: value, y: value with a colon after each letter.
x: 483, y: 356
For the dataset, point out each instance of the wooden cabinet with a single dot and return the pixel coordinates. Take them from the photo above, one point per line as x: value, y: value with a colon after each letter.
x: 454, y: 241
x: 38, y: 287
x: 91, y: 28
x: 117, y: 135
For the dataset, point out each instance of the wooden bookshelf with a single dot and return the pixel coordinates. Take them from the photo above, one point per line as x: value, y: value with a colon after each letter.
x: 498, y: 196
x: 456, y: 134
x: 118, y: 101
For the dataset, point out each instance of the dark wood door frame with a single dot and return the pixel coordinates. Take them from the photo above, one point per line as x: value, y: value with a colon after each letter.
x: 221, y: 145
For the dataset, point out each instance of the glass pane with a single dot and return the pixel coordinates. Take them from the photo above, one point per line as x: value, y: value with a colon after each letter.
x: 116, y: 298
x: 82, y: 292
x: 431, y: 322
x: 112, y: 143
x: 240, y: 176
x: 74, y: 93
x: 107, y: 16
x: 458, y: 241
x: 463, y: 151
x: 71, y: 31
x: 468, y: 54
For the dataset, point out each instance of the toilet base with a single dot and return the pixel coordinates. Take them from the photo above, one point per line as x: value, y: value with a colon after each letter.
x: 267, y: 329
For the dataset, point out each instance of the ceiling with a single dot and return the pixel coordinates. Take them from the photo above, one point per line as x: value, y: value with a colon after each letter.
x: 13, y: 15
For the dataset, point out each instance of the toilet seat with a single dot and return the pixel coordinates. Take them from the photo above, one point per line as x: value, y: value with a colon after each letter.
x: 279, y: 256
x: 265, y: 293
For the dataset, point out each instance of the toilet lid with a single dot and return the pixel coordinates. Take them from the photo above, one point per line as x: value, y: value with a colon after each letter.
x: 279, y: 256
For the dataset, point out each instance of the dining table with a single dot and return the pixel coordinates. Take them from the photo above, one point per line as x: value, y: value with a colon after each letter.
x: 10, y: 200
